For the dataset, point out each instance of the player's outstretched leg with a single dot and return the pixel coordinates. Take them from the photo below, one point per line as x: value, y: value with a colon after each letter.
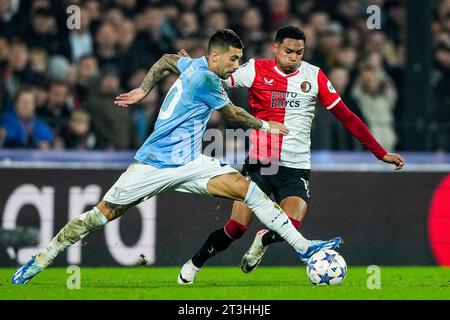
x: 271, y: 214
x: 73, y: 231
x: 268, y: 212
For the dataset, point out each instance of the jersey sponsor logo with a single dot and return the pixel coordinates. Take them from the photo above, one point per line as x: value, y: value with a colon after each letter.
x: 285, y: 95
x: 305, y: 86
x: 268, y: 82
x: 330, y: 87
x: 285, y: 103
x: 285, y: 99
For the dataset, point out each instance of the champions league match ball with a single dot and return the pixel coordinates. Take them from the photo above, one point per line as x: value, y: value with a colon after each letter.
x: 326, y: 267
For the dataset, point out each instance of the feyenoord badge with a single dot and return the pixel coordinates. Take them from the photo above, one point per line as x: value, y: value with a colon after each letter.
x: 305, y: 86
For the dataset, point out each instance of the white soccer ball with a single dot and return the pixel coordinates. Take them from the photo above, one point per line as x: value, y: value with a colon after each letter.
x: 326, y: 267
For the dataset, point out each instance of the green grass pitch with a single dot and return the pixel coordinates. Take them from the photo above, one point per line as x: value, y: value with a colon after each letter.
x: 228, y: 283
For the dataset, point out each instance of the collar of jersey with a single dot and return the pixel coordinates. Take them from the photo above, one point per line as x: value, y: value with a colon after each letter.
x: 287, y: 75
x: 205, y: 61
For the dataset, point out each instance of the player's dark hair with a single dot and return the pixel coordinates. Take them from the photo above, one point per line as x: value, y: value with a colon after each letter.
x: 223, y: 39
x: 290, y: 32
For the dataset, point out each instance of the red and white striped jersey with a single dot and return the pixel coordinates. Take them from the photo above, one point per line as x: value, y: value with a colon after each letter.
x: 286, y: 98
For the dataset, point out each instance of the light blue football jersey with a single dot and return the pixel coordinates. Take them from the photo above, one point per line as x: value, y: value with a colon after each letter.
x: 187, y: 107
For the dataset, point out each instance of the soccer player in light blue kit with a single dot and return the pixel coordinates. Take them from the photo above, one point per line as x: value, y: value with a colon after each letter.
x: 171, y: 157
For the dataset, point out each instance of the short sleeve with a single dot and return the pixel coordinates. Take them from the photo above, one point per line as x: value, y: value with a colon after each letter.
x: 184, y: 63
x: 242, y: 77
x: 327, y: 96
x: 211, y: 92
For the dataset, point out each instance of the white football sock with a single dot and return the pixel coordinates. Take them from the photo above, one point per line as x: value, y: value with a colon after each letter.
x: 271, y: 215
x: 73, y: 231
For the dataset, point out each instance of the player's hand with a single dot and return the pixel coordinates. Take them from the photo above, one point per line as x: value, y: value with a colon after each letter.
x: 183, y: 53
x: 127, y: 99
x: 277, y: 128
x: 396, y: 159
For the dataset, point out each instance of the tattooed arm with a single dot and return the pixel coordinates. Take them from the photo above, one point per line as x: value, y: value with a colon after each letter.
x: 165, y: 65
x: 247, y: 121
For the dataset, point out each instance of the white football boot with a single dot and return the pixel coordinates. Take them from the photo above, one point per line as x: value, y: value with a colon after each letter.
x: 253, y: 256
x: 188, y: 273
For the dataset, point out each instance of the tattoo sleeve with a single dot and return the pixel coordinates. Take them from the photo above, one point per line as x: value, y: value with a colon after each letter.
x: 165, y: 65
x: 240, y: 116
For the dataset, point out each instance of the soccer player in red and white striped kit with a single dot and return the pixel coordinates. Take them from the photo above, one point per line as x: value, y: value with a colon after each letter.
x: 283, y: 89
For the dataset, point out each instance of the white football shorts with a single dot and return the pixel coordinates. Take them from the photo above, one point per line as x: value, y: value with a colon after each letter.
x: 143, y: 181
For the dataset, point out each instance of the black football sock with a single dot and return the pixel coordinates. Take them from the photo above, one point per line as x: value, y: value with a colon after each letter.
x: 271, y: 237
x: 217, y: 241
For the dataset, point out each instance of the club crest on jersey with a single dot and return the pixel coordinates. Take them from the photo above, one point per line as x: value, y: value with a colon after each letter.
x: 305, y: 86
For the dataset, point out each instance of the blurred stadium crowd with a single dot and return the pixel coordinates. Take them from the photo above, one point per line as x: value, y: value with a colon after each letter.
x: 58, y: 85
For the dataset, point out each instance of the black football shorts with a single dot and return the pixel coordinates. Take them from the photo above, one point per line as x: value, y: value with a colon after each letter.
x: 284, y: 183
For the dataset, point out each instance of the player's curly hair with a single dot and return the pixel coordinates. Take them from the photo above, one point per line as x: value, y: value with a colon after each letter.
x: 290, y: 32
x: 223, y: 39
